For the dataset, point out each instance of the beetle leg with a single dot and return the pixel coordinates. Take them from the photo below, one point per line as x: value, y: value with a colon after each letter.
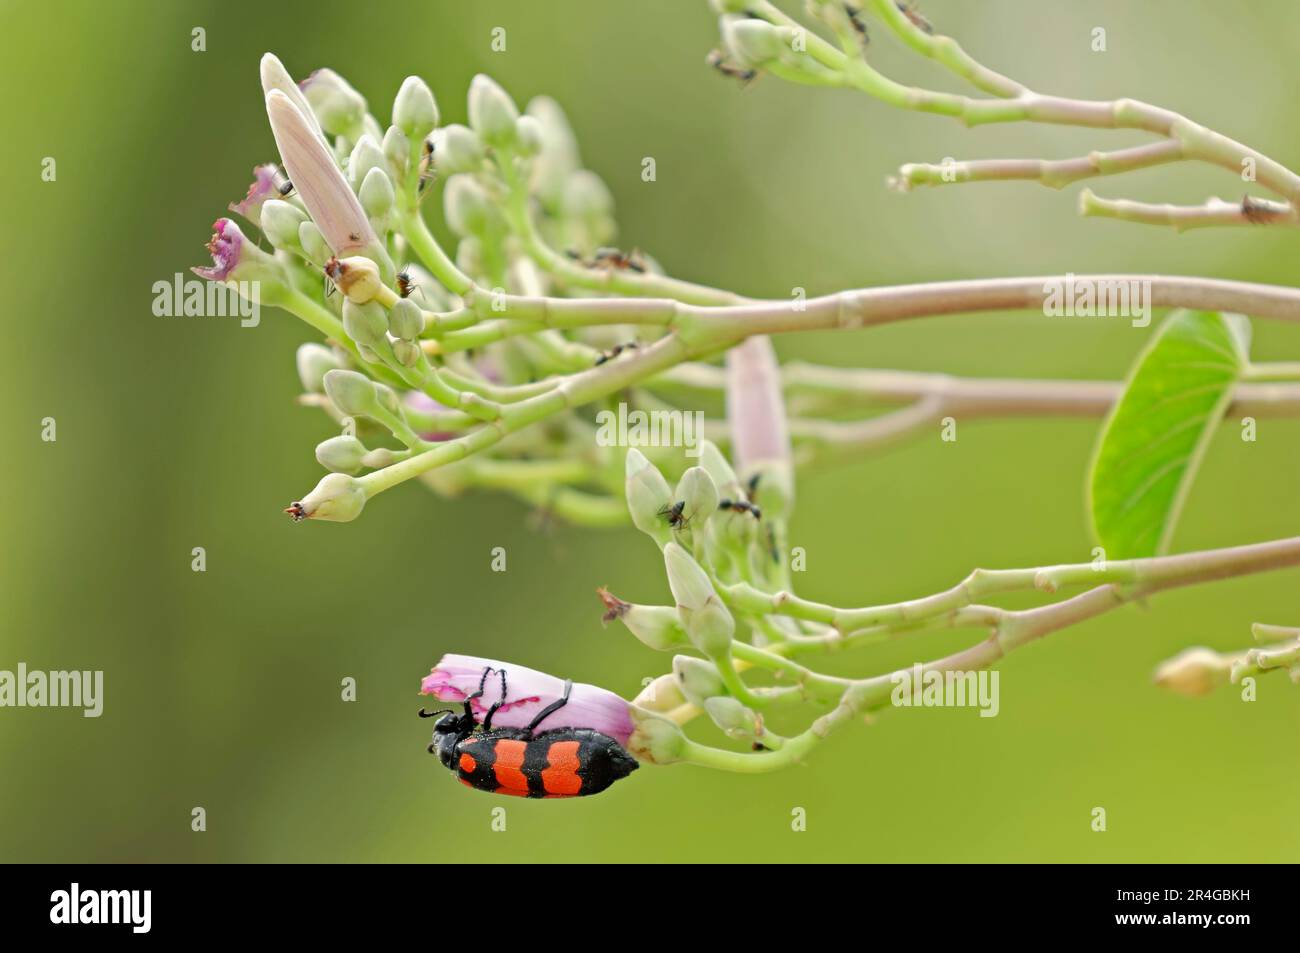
x: 487, y: 719
x: 552, y: 708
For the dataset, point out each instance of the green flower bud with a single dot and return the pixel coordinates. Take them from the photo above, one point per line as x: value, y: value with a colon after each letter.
x: 407, y: 353
x: 342, y: 454
x: 414, y: 109
x: 771, y: 484
x: 366, y: 155
x: 707, y: 621
x: 716, y: 465
x: 338, y: 498
x: 492, y: 113
x: 457, y: 149
x: 313, y: 243
x: 648, y: 497
x: 466, y: 204
x: 366, y: 323
x: 655, y: 739
x: 530, y: 136
x: 655, y: 626
x: 1194, y: 671
x: 382, y: 457
x: 340, y: 108
x: 389, y: 400
x: 735, y: 720
x: 559, y: 156
x: 280, y: 223
x: 405, y: 320
x: 752, y: 43
x: 397, y: 150
x: 352, y: 393
x: 661, y: 695
x: 376, y: 193
x: 314, y: 360
x: 699, y: 680
x: 586, y: 196
x: 697, y: 490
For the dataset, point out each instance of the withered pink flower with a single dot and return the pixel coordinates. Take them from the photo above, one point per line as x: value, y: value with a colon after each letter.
x: 456, y: 677
x: 234, y: 257
x: 264, y: 188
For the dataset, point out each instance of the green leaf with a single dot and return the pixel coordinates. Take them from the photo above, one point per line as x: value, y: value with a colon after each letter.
x: 1157, y: 432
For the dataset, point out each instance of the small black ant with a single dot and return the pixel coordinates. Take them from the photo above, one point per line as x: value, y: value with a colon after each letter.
x: 741, y: 506
x: 855, y: 20
x: 427, y: 172
x: 333, y: 270
x: 908, y: 9
x: 280, y: 181
x: 673, y: 512
x: 296, y: 511
x: 615, y: 352
x: 719, y: 63
x: 405, y: 283
x: 617, y: 260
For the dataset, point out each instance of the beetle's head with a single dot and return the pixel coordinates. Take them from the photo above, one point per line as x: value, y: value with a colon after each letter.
x: 447, y: 731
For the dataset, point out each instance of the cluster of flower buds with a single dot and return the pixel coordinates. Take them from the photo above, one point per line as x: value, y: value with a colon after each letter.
x: 1199, y: 671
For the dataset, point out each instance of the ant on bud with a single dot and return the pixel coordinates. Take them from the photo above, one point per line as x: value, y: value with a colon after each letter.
x: 908, y: 9
x: 674, y: 514
x: 741, y: 506
x: 719, y: 63
x: 854, y: 13
x: 280, y: 181
x: 296, y: 511
x: 615, y: 352
x: 614, y: 259
x: 405, y: 283
x: 427, y: 172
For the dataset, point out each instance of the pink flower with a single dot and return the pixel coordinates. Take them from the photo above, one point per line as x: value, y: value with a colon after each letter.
x: 227, y: 247
x: 456, y: 677
x: 756, y: 405
x: 264, y: 187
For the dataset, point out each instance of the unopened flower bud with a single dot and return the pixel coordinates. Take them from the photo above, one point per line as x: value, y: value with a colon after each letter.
x: 281, y: 222
x: 366, y: 155
x: 275, y: 76
x: 414, y: 109
x: 717, y: 467
x: 352, y: 393
x: 699, y: 680
x: 406, y: 320
x: 657, y: 627
x: 1195, y: 671
x: 648, y: 496
x: 376, y: 193
x: 397, y: 150
x: 467, y: 206
x: 752, y: 42
x: 586, y: 196
x: 338, y: 498
x: 558, y: 158
x: 407, y: 353
x: 366, y: 323
x: 313, y: 244
x: 342, y: 454
x: 707, y: 621
x: 457, y: 149
x: 339, y: 107
x: 735, y: 720
x: 314, y: 361
x: 357, y: 277
x: 661, y: 695
x: 530, y: 136
x: 697, y: 490
x: 492, y: 113
x: 655, y: 739
x: 382, y: 457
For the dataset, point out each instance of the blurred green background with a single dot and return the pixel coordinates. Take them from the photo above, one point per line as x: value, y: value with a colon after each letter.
x: 222, y: 688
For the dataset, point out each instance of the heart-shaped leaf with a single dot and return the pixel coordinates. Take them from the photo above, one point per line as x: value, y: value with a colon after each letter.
x: 1153, y: 441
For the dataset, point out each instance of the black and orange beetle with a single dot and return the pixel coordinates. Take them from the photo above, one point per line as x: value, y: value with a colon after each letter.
x: 523, y: 762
